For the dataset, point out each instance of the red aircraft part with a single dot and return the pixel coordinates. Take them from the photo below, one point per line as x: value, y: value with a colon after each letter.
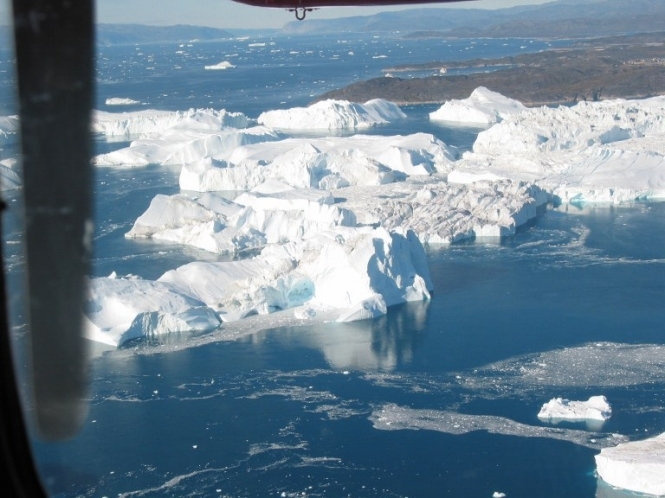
x: 300, y: 7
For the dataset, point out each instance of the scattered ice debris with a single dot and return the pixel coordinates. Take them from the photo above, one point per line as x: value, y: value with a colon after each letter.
x: 637, y: 466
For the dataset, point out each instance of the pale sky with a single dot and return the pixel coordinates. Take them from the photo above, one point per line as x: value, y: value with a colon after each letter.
x: 228, y: 14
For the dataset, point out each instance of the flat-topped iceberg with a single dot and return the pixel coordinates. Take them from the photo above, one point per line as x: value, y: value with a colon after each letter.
x: 637, y: 466
x: 357, y: 271
x: 121, y: 101
x: 272, y: 213
x: 325, y: 163
x: 334, y: 115
x: 177, y: 147
x: 483, y: 108
x: 151, y: 122
x: 558, y: 409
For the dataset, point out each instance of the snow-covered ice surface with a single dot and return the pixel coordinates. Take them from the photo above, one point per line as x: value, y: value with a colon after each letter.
x: 483, y: 108
x: 334, y: 115
x: 636, y: 466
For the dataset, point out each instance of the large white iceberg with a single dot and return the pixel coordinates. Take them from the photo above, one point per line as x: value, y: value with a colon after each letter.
x: 325, y: 163
x: 154, y: 122
x: 183, y: 147
x: 334, y: 115
x: 121, y: 101
x: 220, y: 66
x: 637, y: 466
x: 558, y: 409
x: 357, y: 271
x: 610, y: 151
x: 272, y: 213
x: 483, y: 107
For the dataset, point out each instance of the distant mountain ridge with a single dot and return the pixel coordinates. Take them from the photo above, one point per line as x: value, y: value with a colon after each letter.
x: 117, y: 34
x: 557, y: 18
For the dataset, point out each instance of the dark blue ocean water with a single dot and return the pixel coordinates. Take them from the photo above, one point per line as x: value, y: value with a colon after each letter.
x: 570, y: 306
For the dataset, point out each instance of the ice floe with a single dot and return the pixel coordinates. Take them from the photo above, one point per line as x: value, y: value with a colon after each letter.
x: 333, y: 115
x: 9, y: 127
x: 595, y: 409
x: 483, y: 108
x: 121, y: 101
x: 637, y: 466
x: 153, y: 122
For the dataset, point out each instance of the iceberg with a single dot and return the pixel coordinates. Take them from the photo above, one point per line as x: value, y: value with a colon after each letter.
x: 153, y: 122
x: 120, y: 309
x: 637, y: 466
x: 609, y: 151
x: 221, y: 66
x: 325, y: 163
x: 483, y: 108
x: 357, y: 272
x: 177, y: 147
x: 121, y: 101
x: 9, y: 127
x: 270, y: 214
x: 334, y: 115
x: 596, y: 408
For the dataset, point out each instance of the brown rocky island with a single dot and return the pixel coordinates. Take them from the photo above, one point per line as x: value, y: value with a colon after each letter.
x: 591, y: 70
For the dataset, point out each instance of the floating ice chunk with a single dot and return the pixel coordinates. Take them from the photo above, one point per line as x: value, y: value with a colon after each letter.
x: 212, y: 223
x: 483, y: 107
x: 637, y: 466
x: 184, y: 147
x: 121, y: 101
x: 154, y: 123
x: 334, y: 114
x: 120, y: 309
x: 558, y: 409
x: 498, y: 494
x: 220, y: 66
x: 328, y: 163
